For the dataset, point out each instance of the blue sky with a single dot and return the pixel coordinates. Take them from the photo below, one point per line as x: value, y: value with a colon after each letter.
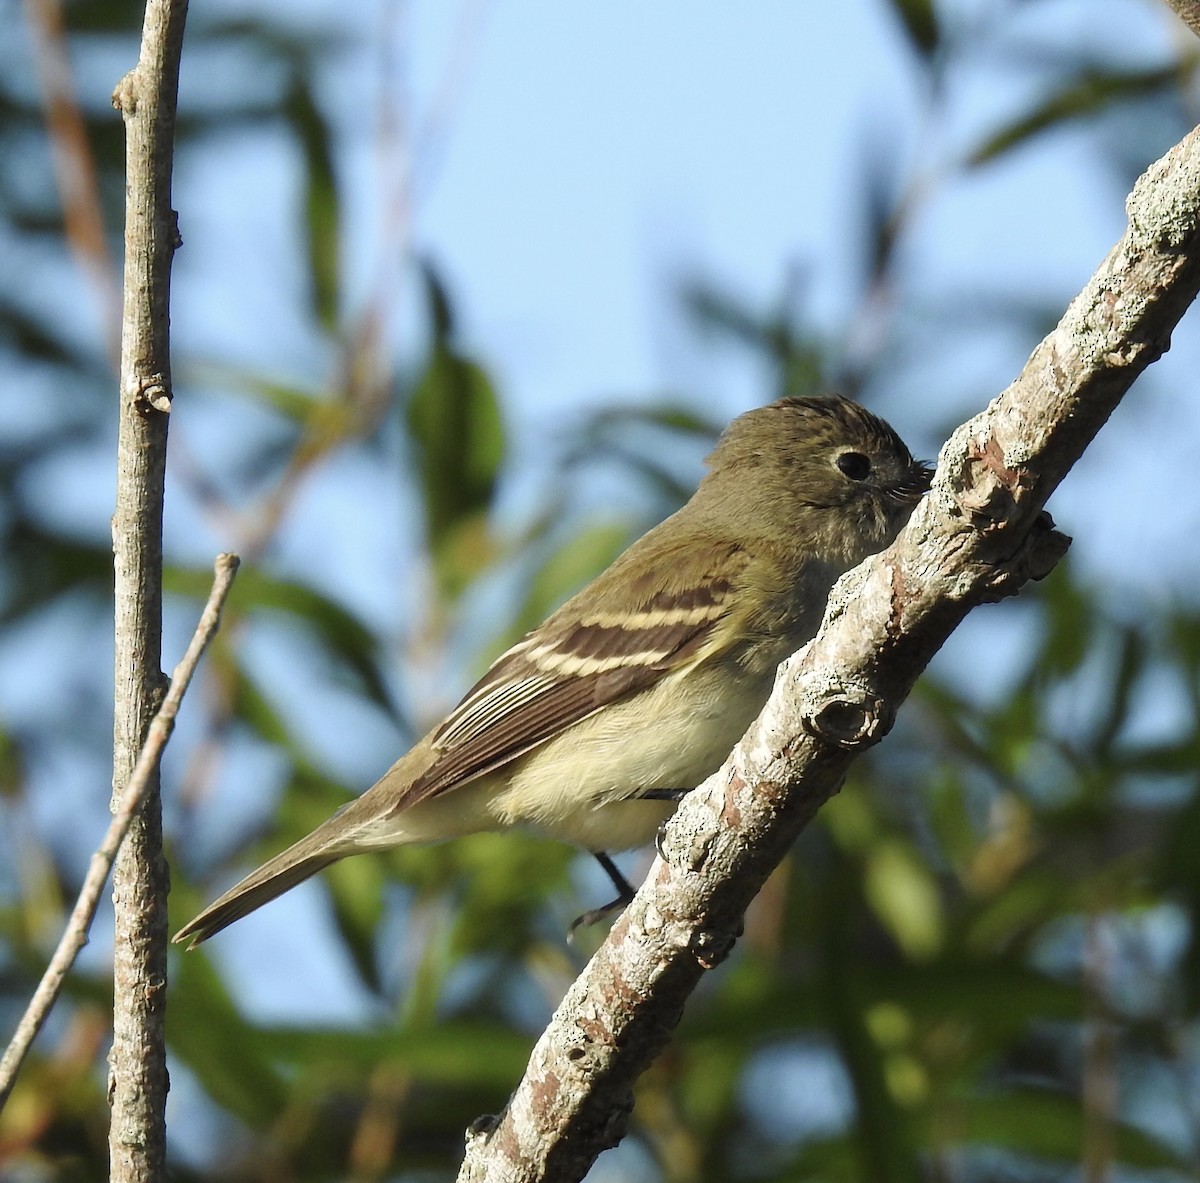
x: 583, y: 158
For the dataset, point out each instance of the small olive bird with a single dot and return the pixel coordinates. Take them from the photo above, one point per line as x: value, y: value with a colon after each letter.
x: 591, y: 727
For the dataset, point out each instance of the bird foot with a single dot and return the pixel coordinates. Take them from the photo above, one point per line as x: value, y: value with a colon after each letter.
x: 625, y: 892
x: 595, y: 915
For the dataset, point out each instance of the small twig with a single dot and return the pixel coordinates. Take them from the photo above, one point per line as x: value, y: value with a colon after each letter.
x: 75, y: 935
x: 74, y: 163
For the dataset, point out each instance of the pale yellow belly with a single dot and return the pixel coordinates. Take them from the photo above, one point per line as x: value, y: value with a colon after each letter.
x: 582, y: 786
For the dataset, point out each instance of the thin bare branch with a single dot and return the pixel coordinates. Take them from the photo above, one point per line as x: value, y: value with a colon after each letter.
x: 979, y: 536
x: 75, y: 935
x: 147, y: 98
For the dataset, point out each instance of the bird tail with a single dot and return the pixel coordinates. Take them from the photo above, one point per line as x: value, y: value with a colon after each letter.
x: 365, y: 823
x: 272, y: 879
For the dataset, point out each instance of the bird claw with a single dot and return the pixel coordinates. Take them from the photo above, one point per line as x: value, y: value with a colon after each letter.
x: 659, y: 835
x: 595, y: 915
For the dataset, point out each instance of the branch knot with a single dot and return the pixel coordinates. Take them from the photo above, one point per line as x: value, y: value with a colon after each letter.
x: 844, y: 714
x: 153, y: 395
x: 1038, y: 553
x: 710, y: 947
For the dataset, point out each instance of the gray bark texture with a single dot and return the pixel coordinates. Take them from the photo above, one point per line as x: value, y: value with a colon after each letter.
x: 978, y: 536
x: 146, y: 98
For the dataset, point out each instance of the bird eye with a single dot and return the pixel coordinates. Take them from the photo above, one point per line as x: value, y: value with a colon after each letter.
x: 855, y: 465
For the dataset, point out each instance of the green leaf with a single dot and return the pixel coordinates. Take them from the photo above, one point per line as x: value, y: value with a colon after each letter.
x: 357, y: 887
x: 343, y: 635
x: 588, y: 550
x: 321, y: 209
x: 299, y: 406
x: 1025, y: 904
x: 12, y: 765
x: 453, y: 1052
x: 996, y: 995
x: 253, y: 708
x: 1071, y: 624
x: 1129, y: 666
x: 904, y: 895
x: 919, y: 19
x: 32, y: 337
x: 309, y: 799
x: 782, y: 336
x: 1168, y: 759
x: 1051, y: 1125
x: 1081, y: 98
x: 50, y: 566
x: 505, y: 879
x: 455, y: 425
x: 232, y: 1059
x: 646, y: 440
x: 679, y: 417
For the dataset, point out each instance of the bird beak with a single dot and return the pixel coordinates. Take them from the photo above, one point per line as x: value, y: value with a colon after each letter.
x: 916, y: 482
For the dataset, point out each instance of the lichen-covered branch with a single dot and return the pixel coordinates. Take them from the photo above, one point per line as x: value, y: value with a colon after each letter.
x: 978, y: 536
x: 146, y: 98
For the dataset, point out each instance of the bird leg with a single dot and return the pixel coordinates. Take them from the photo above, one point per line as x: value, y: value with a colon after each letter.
x: 625, y: 889
x: 625, y: 892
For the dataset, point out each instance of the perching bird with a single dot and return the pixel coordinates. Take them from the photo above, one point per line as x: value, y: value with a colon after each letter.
x: 592, y: 726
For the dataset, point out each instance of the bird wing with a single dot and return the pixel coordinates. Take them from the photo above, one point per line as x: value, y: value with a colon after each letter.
x: 580, y: 660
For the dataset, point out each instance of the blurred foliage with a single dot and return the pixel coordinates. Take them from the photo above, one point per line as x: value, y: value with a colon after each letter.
x: 982, y: 962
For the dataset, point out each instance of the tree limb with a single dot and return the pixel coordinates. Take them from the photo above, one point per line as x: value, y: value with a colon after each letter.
x: 146, y: 98
x: 1188, y: 11
x: 75, y: 935
x: 978, y: 536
